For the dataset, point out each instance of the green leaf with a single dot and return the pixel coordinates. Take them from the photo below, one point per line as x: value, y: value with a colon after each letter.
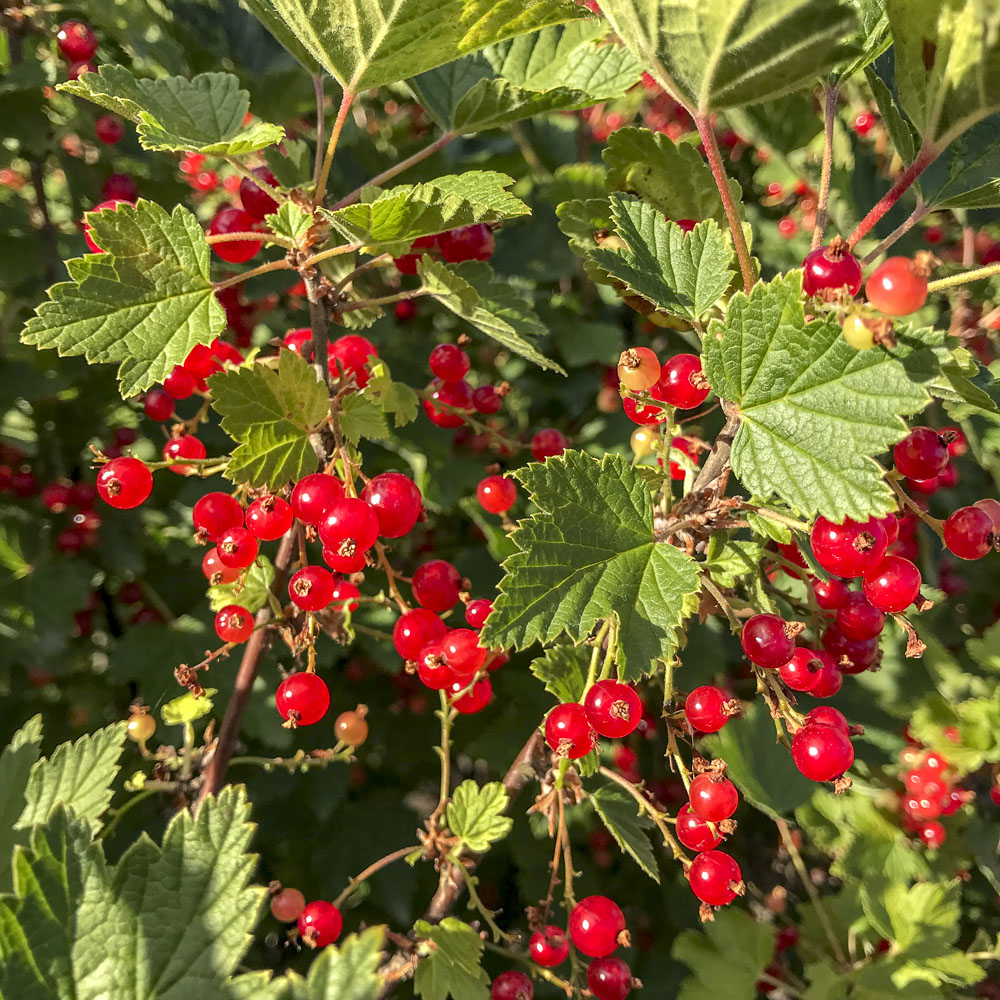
x: 728, y: 559
x: 680, y: 273
x: 360, y: 416
x: 451, y: 968
x: 291, y: 163
x: 587, y: 553
x: 475, y: 293
x: 270, y: 413
x: 947, y: 64
x: 826, y: 981
x: 16, y: 762
x: 187, y: 708
x: 726, y: 957
x: 78, y: 775
x: 365, y: 45
x: 715, y: 56
x: 346, y: 971
x: 977, y: 722
x: 759, y: 766
x: 396, y: 398
x: 174, y: 919
x: 628, y: 825
x: 290, y: 220
x: 476, y: 815
x: 580, y: 220
x: 563, y: 670
x: 264, y: 11
x: 784, y: 125
x: 252, y: 595
x: 145, y: 303
x: 814, y: 411
x: 204, y: 115
x: 399, y: 215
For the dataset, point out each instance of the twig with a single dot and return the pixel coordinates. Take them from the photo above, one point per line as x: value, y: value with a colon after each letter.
x: 964, y: 278
x: 717, y: 464
x: 901, y: 230
x: 832, y: 90
x: 249, y: 236
x: 709, y: 584
x: 373, y: 868
x: 319, y: 322
x: 338, y: 125
x: 275, y: 265
x: 320, y: 123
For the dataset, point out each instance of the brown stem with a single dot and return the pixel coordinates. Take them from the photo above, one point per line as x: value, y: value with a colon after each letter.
x: 832, y: 91
x: 372, y: 869
x: 319, y: 322
x: 900, y: 231
x: 925, y: 158
x: 717, y: 464
x: 707, y: 134
x: 215, y: 773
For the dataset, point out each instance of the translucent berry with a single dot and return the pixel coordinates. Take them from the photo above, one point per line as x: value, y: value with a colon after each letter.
x: 932, y: 834
x: 830, y: 593
x: 234, y: 623
x: 351, y: 727
x: 638, y: 369
x: 124, y: 483
x: 858, y: 618
x: 234, y: 220
x: 849, y: 549
x: 78, y: 68
x: 349, y: 356
x: 644, y: 414
x: 865, y: 122
x: 449, y: 362
x: 802, y: 671
x: 968, y: 533
x: 180, y: 383
x: 827, y: 715
x: 473, y: 700
x: 496, y: 494
x: 456, y: 397
x: 822, y: 752
x: 922, y: 454
x: 992, y: 507
x: 595, y: 924
x: 436, y: 585
x: 255, y: 201
x: 158, y: 405
x: 705, y: 709
x: 237, y: 548
x: 432, y: 667
x: 343, y: 596
x: 314, y: 495
x: 681, y: 382
x: 512, y: 985
x: 609, y: 978
x: 302, y: 699
x: 766, y: 642
x: 109, y: 129
x: 140, y: 726
x: 613, y: 709
x: 851, y: 656
x: 486, y: 399
x: 407, y: 263
x: 185, y: 446
x: 477, y: 611
x: 473, y: 242
x: 287, y: 905
x: 831, y: 267
x: 216, y: 571
x: 311, y: 588
x: 893, y: 585
x: 269, y: 518
x: 349, y: 526
x: 897, y: 287
x: 320, y: 924
x: 713, y: 799
x: 76, y: 40
x: 714, y: 877
x: 550, y: 947
x: 686, y: 447
x: 694, y: 832
x: 568, y: 731
x: 396, y: 501
x: 462, y: 651
x: 416, y: 629
x: 547, y: 443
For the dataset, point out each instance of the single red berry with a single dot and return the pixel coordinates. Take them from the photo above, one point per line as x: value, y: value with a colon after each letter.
x: 705, y: 709
x: 638, y: 369
x: 405, y: 310
x: 234, y: 220
x: 314, y: 495
x: 255, y: 201
x: 643, y: 414
x: 302, y: 698
x: 992, y: 507
x: 609, y: 978
x: 547, y: 443
x: 462, y: 651
x: 455, y: 396
x: 55, y: 496
x: 496, y: 494
x: 865, y: 122
x: 613, y: 709
x: 827, y: 715
x: 550, y: 947
x: 237, y: 548
x: 234, y: 623
x: 896, y: 287
x: 287, y: 905
x: 766, y: 642
x: 269, y: 517
x: 124, y: 483
x: 475, y: 699
x: 344, y: 594
x: 158, y: 405
x: 851, y: 656
x: 473, y: 242
x: 568, y: 731
x: 216, y: 571
x: 893, y: 585
x: 681, y: 382
x: 76, y: 40
x: 396, y: 501
x: 433, y: 669
x: 320, y: 924
x: 486, y: 399
x: 449, y: 362
x: 407, y: 263
x: 830, y: 593
x: 787, y: 227
x: 922, y: 454
x: 968, y: 533
x: 714, y: 876
x: 77, y: 69
x: 694, y: 832
x: 686, y: 447
x: 349, y: 526
x: 713, y: 799
x: 595, y: 924
x: 349, y: 356
x: 822, y: 752
x: 788, y: 937
x: 120, y: 187
x: 436, y: 585
x: 215, y: 513
x: 416, y: 629
x: 299, y: 341
x: 857, y: 618
x: 921, y: 806
x: 109, y: 130
x: 185, y: 446
x: 477, y: 611
x: 512, y: 985
x: 849, y: 549
x: 828, y: 267
x: 311, y: 588
x: 802, y: 671
x: 932, y: 834
x: 180, y: 383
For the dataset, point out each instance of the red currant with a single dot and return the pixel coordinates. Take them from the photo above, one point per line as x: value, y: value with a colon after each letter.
x: 269, y: 518
x: 638, y: 369
x: 496, y: 494
x: 237, y: 548
x: 849, y: 549
x: 681, y: 382
x: 643, y: 414
x: 486, y: 399
x: 416, y: 629
x: 609, y: 978
x: 865, y: 122
x: 314, y: 495
x: 462, y: 651
x: 343, y: 596
x: 120, y: 187
x: 449, y: 362
x: 296, y: 341
x: 992, y: 507
x: 922, y: 454
x: 124, y: 483
x: 713, y: 876
x: 76, y: 40
x: 234, y: 623
x: 476, y: 612
x: 595, y: 925
x: 713, y: 799
x: 822, y: 752
x: 77, y: 69
x: 349, y: 356
x: 827, y: 715
x: 512, y: 985
x: 549, y: 948
x: 433, y: 669
x: 852, y: 656
x: 766, y: 642
x: 705, y: 709
x: 932, y: 834
x: 405, y: 310
x: 473, y: 242
x: 216, y: 571
x: 454, y: 396
x: 158, y: 405
x: 968, y: 532
x: 302, y: 698
x: 857, y: 618
x: 110, y: 205
x: 109, y: 130
x: 921, y: 806
x: 830, y: 594
x: 396, y: 501
x: 547, y: 443
x: 407, y: 263
x: 436, y: 585
x: 694, y: 832
x: 320, y: 924
x: 234, y: 220
x: 896, y: 287
x: 311, y: 588
x: 802, y: 671
x: 255, y: 201
x: 185, y: 446
x: 685, y: 447
x: 831, y: 267
x: 893, y: 585
x: 475, y: 699
x: 613, y: 709
x: 349, y: 526
x: 287, y: 905
x: 180, y: 383
x: 568, y: 731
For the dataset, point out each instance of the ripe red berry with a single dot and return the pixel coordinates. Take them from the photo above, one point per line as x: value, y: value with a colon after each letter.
x: 255, y: 201
x: 473, y: 242
x: 216, y: 571
x: 486, y: 399
x: 405, y: 310
x: 416, y: 629
x: 705, y: 709
x: 932, y: 834
x: 343, y: 596
x: 595, y: 924
x: 547, y: 443
x: 686, y: 447
x: 865, y: 122
x: 407, y: 263
x: 643, y: 414
x: 234, y: 220
x: 302, y: 698
x: 496, y: 494
x: 802, y: 671
x: 158, y: 405
x: 477, y: 611
x: 713, y: 799
x: 512, y: 985
x: 77, y: 69
x: 550, y: 947
x: 297, y: 339
x: 568, y: 731
x: 344, y: 564
x: 234, y: 623
x: 109, y: 130
x: 922, y: 454
x: 349, y: 526
x: 396, y: 501
x: 185, y: 446
x: 475, y: 699
x: 921, y: 806
x: 896, y: 287
x: 449, y: 362
x: 456, y: 396
x: 857, y: 618
x: 681, y: 382
x: 827, y: 715
x: 215, y: 513
x: 76, y: 40
x: 609, y: 978
x: 433, y: 669
x: 822, y: 752
x: 462, y: 651
x: 180, y: 383
x: 349, y: 355
x: 766, y: 642
x: 893, y: 585
x: 852, y: 656
x: 311, y: 588
x: 849, y: 549
x: 269, y: 518
x: 320, y: 924
x: 694, y: 832
x: 314, y: 495
x: 287, y: 905
x: 713, y: 875
x: 237, y: 548
x: 613, y: 709
x: 124, y: 483
x: 992, y: 507
x: 436, y: 585
x: 826, y: 267
x: 968, y: 533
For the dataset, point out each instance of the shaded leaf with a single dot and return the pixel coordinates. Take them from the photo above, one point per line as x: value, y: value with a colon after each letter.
x: 16, y: 762
x: 451, y: 968
x: 563, y: 670
x: 726, y: 957
x: 628, y: 825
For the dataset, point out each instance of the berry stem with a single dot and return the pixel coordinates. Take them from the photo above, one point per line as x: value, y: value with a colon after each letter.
x: 383, y: 260
x: 272, y: 192
x: 594, y: 657
x: 569, y: 899
x: 901, y: 230
x: 707, y: 134
x: 324, y: 171
x: 238, y: 279
x: 299, y: 760
x: 734, y: 623
x: 131, y: 803
x: 904, y: 498
x: 391, y: 577
x: 964, y: 278
x: 281, y: 241
x: 485, y: 912
x: 539, y: 970
x: 611, y: 654
x: 924, y: 159
x: 372, y: 869
x: 446, y: 715
x: 832, y: 91
x: 320, y: 122
x: 716, y: 466
x: 385, y: 300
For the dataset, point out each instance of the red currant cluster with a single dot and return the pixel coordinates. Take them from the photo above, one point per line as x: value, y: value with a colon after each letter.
x: 929, y: 792
x: 450, y: 395
x: 204, y: 179
x: 474, y: 242
x: 78, y: 43
x: 257, y: 204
